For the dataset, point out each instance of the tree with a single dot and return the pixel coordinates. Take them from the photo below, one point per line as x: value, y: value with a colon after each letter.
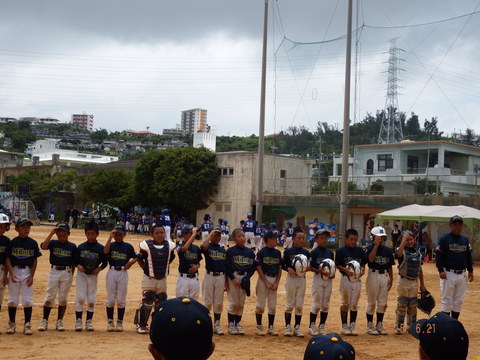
x: 411, y: 129
x: 431, y: 129
x: 182, y: 178
x: 109, y: 186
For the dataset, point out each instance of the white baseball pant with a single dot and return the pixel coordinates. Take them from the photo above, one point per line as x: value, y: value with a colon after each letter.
x: 264, y: 294
x: 321, y: 292
x: 189, y: 287
x: 453, y: 289
x: 349, y: 294
x: 116, y: 285
x: 250, y: 236
x: 167, y: 232
x: 86, y: 291
x: 20, y: 287
x: 2, y: 287
x: 224, y: 240
x: 59, y: 281
x: 157, y: 285
x: 377, y: 292
x: 288, y: 242
x: 257, y: 241
x: 295, y: 294
x: 204, y: 235
x: 236, y: 296
x: 212, y: 292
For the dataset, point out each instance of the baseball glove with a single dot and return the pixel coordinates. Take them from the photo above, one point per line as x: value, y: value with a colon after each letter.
x: 246, y: 285
x: 426, y: 302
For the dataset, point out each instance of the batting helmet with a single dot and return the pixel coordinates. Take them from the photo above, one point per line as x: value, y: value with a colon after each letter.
x: 89, y: 262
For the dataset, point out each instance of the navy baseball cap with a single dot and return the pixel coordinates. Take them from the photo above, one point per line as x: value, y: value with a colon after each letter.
x: 441, y: 337
x: 120, y: 228
x: 329, y: 347
x: 456, y: 218
x: 23, y: 221
x: 177, y: 321
x: 63, y: 226
x: 187, y: 229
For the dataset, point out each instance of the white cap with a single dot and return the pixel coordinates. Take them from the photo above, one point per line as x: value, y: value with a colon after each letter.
x: 378, y: 231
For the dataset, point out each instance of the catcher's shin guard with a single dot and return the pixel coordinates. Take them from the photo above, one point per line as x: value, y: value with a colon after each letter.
x: 143, y: 312
x: 159, y: 298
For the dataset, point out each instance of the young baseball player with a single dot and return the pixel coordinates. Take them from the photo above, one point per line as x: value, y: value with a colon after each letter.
x: 154, y: 258
x: 258, y: 240
x: 213, y: 285
x: 287, y: 235
x: 225, y: 230
x: 249, y: 230
x: 410, y: 272
x: 295, y: 285
x: 166, y: 222
x: 60, y: 277
x: 350, y: 287
x: 239, y: 266
x: 21, y: 264
x: 269, y: 268
x: 120, y: 256
x: 454, y: 256
x: 4, y: 241
x: 379, y: 279
x: 206, y: 226
x: 189, y: 256
x: 321, y: 283
x: 90, y: 260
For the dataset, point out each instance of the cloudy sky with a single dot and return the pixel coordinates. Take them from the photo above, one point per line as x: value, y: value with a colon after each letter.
x: 138, y: 64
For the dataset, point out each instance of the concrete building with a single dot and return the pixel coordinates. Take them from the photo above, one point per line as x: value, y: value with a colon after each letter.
x: 236, y: 194
x: 207, y: 140
x: 141, y: 133
x: 194, y: 120
x: 83, y: 121
x: 451, y: 168
x: 177, y: 131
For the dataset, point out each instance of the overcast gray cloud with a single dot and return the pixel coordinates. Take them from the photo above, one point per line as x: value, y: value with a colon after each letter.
x: 139, y: 64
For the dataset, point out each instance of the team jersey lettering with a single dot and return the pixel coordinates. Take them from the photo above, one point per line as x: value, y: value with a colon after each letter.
x: 21, y: 253
x: 242, y: 260
x: 86, y: 253
x: 457, y: 248
x: 61, y: 253
x: 381, y: 260
x: 189, y: 255
x: 267, y: 260
x: 217, y: 255
x: 116, y: 255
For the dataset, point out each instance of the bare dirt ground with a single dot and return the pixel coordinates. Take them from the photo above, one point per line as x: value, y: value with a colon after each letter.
x: 128, y: 345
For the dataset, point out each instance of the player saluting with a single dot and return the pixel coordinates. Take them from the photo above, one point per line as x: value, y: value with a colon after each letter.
x: 90, y: 260
x: 269, y: 268
x: 321, y: 283
x: 454, y: 256
x: 154, y: 257
x: 120, y: 256
x: 213, y: 285
x: 21, y: 263
x: 60, y: 277
x: 239, y: 266
x: 379, y: 279
x: 409, y: 271
x: 350, y: 286
x: 295, y: 285
x: 189, y: 257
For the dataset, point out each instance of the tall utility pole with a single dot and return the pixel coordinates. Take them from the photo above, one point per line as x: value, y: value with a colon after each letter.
x: 391, y: 126
x: 346, y: 132
x: 261, y: 130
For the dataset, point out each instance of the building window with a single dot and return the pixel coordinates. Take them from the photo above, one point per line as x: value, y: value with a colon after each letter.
x: 283, y: 174
x: 224, y: 172
x: 228, y: 207
x: 385, y: 162
x: 230, y: 172
x: 218, y: 207
x: 370, y: 167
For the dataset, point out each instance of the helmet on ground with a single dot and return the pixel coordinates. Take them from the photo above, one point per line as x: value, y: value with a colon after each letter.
x: 354, y: 265
x: 300, y: 263
x: 329, y: 266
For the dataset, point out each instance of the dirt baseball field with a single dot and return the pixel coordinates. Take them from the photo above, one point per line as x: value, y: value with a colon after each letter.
x: 102, y: 345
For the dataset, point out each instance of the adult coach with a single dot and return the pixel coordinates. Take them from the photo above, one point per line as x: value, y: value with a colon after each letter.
x: 454, y: 256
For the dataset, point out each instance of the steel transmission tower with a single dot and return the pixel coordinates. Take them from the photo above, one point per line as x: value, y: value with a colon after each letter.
x: 391, y: 126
